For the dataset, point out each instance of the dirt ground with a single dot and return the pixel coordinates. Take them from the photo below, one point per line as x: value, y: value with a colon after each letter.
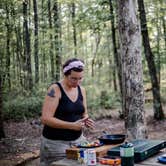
x: 24, y: 136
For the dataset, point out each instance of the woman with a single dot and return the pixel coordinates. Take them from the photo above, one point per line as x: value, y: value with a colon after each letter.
x: 64, y: 113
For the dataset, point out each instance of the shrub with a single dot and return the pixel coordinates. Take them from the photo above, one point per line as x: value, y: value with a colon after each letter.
x: 20, y: 107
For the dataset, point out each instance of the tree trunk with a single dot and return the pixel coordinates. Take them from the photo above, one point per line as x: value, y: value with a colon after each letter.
x: 132, y: 75
x: 44, y: 71
x: 57, y: 40
x: 96, y: 45
x: 164, y: 29
x: 163, y: 20
x: 109, y: 59
x: 27, y: 49
x: 158, y: 111
x: 116, y: 57
x: 51, y: 42
x: 36, y: 57
x: 158, y: 49
x: 2, y: 133
x: 8, y: 34
x: 19, y: 54
x: 74, y: 28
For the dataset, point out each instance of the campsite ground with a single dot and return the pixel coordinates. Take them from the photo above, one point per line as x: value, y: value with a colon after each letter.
x: 23, y: 138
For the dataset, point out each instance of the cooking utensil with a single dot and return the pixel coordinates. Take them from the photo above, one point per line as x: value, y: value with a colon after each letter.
x: 112, y: 138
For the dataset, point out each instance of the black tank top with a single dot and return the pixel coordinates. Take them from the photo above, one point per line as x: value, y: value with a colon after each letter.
x: 67, y: 110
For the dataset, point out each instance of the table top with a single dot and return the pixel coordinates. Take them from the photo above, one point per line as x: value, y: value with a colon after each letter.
x: 152, y: 161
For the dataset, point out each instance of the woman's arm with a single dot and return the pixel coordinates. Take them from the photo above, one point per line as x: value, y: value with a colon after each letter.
x: 85, y: 115
x: 88, y: 121
x: 49, y: 108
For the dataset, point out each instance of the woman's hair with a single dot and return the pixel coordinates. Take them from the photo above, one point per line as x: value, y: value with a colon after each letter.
x: 73, y: 64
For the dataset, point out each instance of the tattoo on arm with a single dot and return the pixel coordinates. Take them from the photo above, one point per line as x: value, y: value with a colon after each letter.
x: 51, y: 93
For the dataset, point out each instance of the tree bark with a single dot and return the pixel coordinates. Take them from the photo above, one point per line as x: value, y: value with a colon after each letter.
x: 132, y: 75
x: 97, y: 42
x: 158, y: 111
x: 2, y: 133
x: 44, y: 71
x: 19, y: 54
x: 163, y: 19
x: 57, y: 40
x: 74, y: 28
x: 51, y: 42
x: 116, y: 57
x: 36, y: 57
x: 8, y: 34
x: 164, y: 29
x: 27, y: 48
x: 158, y: 49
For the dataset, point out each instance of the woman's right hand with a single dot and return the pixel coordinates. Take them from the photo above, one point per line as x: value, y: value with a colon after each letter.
x: 79, y: 124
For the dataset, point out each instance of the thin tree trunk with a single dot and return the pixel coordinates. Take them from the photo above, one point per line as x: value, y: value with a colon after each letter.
x: 2, y: 133
x: 158, y: 49
x: 51, y: 42
x: 158, y: 111
x: 163, y: 13
x: 97, y: 42
x: 36, y: 57
x: 163, y: 20
x: 114, y: 77
x: 19, y: 52
x: 116, y: 57
x: 164, y: 29
x: 57, y: 40
x: 132, y: 75
x: 27, y: 49
x: 109, y: 58
x: 8, y: 32
x: 43, y: 69
x: 74, y: 29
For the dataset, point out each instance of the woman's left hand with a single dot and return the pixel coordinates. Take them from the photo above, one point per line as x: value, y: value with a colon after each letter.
x: 89, y: 123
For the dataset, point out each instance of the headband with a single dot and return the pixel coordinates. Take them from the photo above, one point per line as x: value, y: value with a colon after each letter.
x: 75, y: 64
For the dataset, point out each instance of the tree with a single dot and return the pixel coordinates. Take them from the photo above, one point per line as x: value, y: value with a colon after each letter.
x: 158, y: 111
x: 36, y: 41
x: 2, y: 133
x: 132, y: 81
x: 116, y: 56
x: 8, y: 40
x: 86, y: 29
x: 73, y: 9
x: 51, y: 42
x: 163, y: 19
x: 57, y: 39
x: 27, y: 46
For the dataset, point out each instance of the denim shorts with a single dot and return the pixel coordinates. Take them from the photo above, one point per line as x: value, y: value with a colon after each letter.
x: 53, y: 150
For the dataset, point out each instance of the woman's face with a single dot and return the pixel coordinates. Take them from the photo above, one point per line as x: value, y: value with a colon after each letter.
x: 75, y: 78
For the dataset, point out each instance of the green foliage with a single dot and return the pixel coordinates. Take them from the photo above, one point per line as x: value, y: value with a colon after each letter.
x: 93, y: 17
x: 94, y: 44
x: 94, y: 104
x: 100, y: 113
x: 103, y: 99
x: 109, y: 99
x: 21, y: 107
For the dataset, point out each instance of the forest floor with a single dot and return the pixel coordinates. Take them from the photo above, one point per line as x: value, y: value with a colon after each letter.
x: 22, y: 142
